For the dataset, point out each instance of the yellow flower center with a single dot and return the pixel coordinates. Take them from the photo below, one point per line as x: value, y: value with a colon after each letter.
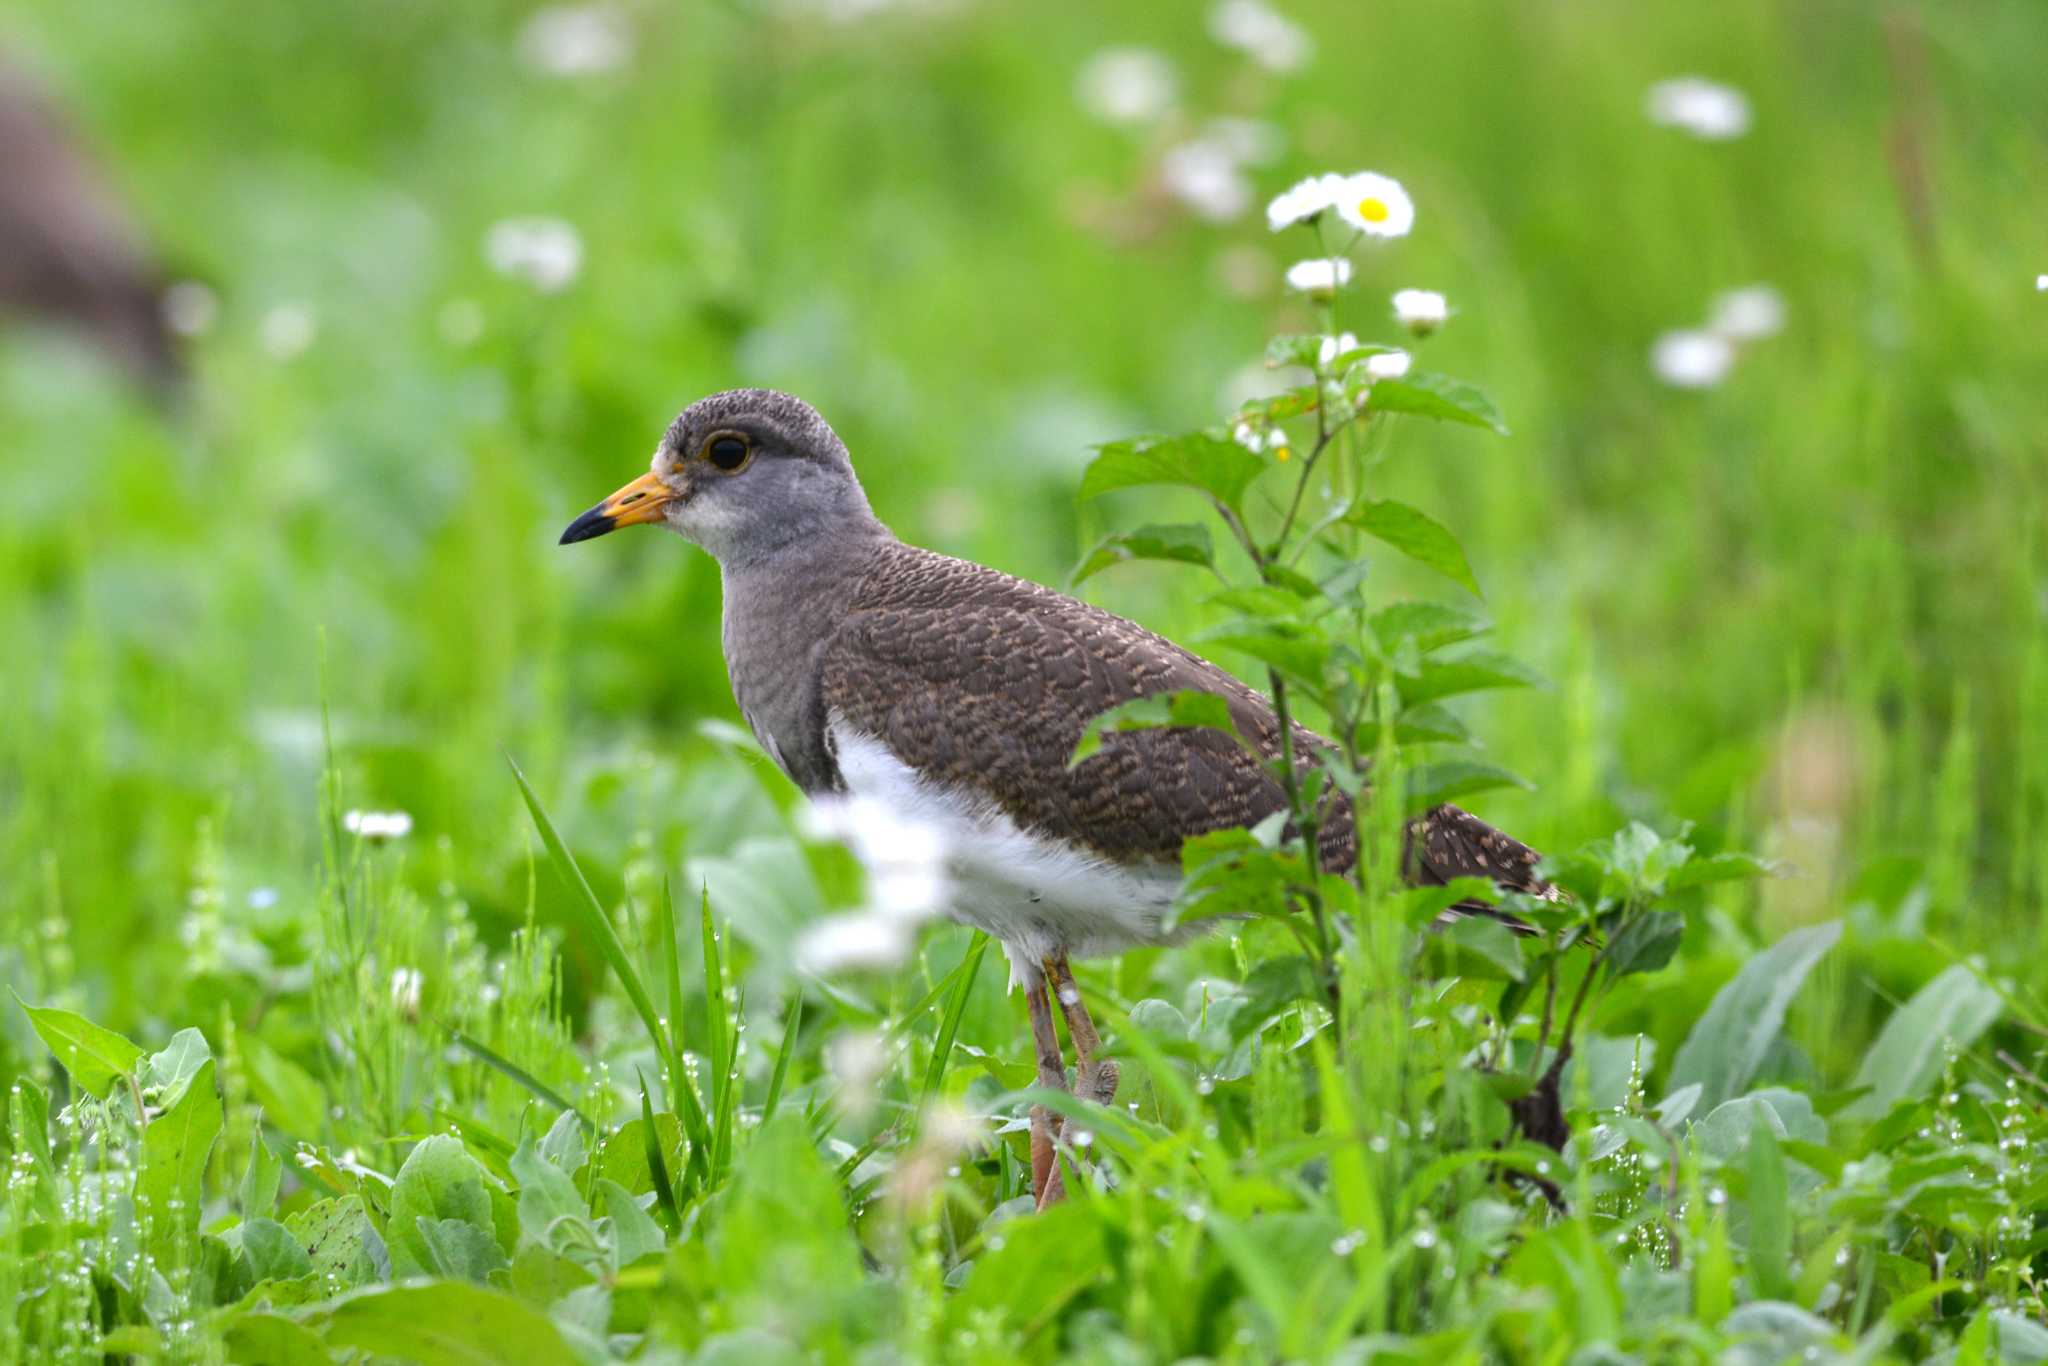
x: 1281, y: 452
x: 1373, y: 210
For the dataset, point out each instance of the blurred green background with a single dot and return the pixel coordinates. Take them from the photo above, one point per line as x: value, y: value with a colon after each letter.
x: 1805, y: 608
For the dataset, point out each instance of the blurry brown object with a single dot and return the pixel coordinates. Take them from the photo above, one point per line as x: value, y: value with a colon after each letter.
x: 70, y: 254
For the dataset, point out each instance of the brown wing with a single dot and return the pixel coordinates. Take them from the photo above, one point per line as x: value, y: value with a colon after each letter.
x: 987, y: 682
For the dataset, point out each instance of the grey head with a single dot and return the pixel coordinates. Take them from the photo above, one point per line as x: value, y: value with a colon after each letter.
x: 749, y: 475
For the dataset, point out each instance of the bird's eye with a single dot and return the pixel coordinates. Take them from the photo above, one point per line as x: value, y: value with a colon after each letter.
x: 727, y: 452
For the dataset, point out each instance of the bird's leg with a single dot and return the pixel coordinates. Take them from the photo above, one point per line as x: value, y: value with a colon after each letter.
x: 1046, y: 1182
x: 1093, y: 1080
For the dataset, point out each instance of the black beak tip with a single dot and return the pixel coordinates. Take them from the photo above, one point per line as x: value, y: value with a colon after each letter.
x: 595, y: 522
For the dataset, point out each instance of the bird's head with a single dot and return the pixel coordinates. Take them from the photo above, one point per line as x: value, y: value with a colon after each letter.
x: 744, y: 474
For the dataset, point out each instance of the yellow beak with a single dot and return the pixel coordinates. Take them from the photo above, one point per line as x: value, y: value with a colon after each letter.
x: 644, y: 500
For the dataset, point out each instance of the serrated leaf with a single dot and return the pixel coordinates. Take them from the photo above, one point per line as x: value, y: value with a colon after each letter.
x: 1417, y: 535
x: 1186, y: 707
x: 1296, y: 650
x: 1423, y: 393
x: 1218, y: 467
x: 93, y: 1056
x: 1182, y: 543
x: 1908, y: 1055
x: 1728, y: 1043
x: 1476, y: 671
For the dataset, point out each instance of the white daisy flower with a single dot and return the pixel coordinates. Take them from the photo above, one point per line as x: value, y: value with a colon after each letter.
x: 377, y: 826
x: 1751, y: 313
x: 576, y: 40
x: 1700, y: 107
x: 1388, y: 364
x: 1421, y: 311
x: 1375, y: 204
x: 1126, y: 85
x: 1205, y: 175
x: 1332, y: 347
x: 1302, y: 201
x: 1692, y: 359
x: 1261, y: 33
x: 547, y: 253
x: 1319, y: 277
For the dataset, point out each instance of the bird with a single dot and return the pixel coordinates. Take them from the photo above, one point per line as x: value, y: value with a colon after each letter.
x: 955, y: 694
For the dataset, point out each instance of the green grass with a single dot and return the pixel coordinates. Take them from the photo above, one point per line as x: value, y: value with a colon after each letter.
x: 1803, y: 610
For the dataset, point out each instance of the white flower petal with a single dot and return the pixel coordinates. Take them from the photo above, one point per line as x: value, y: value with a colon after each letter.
x: 1319, y: 275
x: 1126, y: 85
x: 1692, y: 359
x: 1698, y: 106
x: 1388, y: 364
x: 1751, y: 313
x: 1375, y: 204
x: 1421, y: 311
x: 547, y: 253
x: 1261, y: 33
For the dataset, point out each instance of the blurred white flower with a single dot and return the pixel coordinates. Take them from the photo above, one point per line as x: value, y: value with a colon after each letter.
x: 1204, y: 175
x: 547, y: 253
x: 576, y: 40
x: 1421, y: 311
x: 1249, y: 437
x: 190, y: 308
x: 1320, y: 276
x: 377, y: 825
x: 1692, y: 359
x: 1751, y: 313
x: 1302, y: 201
x: 1251, y: 142
x: 287, y: 330
x: 1388, y: 364
x: 858, y: 941
x: 1261, y: 33
x: 1700, y: 107
x: 858, y: 1058
x: 2041, y: 283
x: 262, y: 898
x: 405, y: 991
x: 1375, y: 204
x: 1126, y: 85
x: 1332, y: 347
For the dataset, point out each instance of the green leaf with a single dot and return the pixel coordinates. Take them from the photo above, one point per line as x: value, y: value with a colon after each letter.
x: 1298, y: 650
x: 439, y: 1180
x: 533, y: 1085
x: 793, y: 1015
x: 272, y: 1253
x: 1728, y: 1043
x: 1475, y: 671
x: 563, y: 1144
x: 591, y: 917
x: 291, y: 1099
x: 657, y: 1165
x: 458, y: 1248
x: 175, y: 1147
x: 1423, y: 393
x: 1477, y: 946
x: 949, y: 1026
x: 1950, y: 1011
x: 444, y: 1323
x: 1417, y: 535
x: 1275, y: 985
x: 163, y: 1076
x: 1431, y: 625
x: 1431, y: 785
x: 1770, y: 1221
x: 1181, y: 543
x: 633, y: 1234
x: 546, y: 1194
x: 340, y: 1242
x: 260, y: 1180
x: 1424, y: 724
x: 1644, y: 943
x: 261, y: 1339
x: 1199, y: 460
x: 1163, y: 709
x: 92, y: 1055
x: 1723, y: 867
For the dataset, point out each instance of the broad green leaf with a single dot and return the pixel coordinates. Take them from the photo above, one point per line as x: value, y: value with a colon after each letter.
x: 1475, y: 671
x: 1181, y: 543
x: 633, y: 1233
x: 92, y: 1055
x: 163, y: 1076
x: 439, y: 1180
x: 1725, y: 1134
x: 458, y: 1248
x: 1950, y: 1011
x: 175, y: 1147
x: 1476, y: 946
x: 1424, y: 724
x: 255, y: 1338
x: 1042, y: 1264
x: 1644, y: 943
x: 1417, y: 535
x: 1184, y: 708
x: 1423, y: 393
x: 1297, y: 650
x: 1728, y: 1043
x: 1218, y: 467
x: 1275, y: 985
x: 260, y: 1179
x: 271, y: 1251
x: 338, y: 1238
x: 1431, y: 785
x: 1431, y: 625
x: 443, y: 1323
x: 546, y: 1194
x: 563, y: 1144
x: 1770, y: 1221
x: 1723, y: 867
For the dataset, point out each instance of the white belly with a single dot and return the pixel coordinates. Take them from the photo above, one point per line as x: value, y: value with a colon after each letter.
x: 1035, y: 895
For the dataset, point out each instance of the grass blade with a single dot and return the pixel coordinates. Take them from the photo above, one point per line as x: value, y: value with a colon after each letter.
x: 949, y: 1025
x: 592, y: 916
x: 714, y: 1008
x: 657, y: 1165
x: 539, y: 1089
x: 793, y: 1017
x: 673, y: 962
